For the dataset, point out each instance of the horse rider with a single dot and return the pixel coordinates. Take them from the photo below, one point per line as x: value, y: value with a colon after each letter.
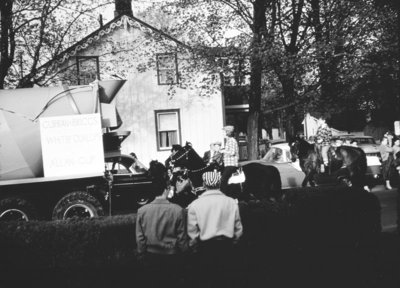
x: 324, y: 135
x: 231, y: 157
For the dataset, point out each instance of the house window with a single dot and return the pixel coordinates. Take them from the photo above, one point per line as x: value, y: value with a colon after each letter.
x: 88, y: 69
x: 168, y: 128
x: 167, y: 69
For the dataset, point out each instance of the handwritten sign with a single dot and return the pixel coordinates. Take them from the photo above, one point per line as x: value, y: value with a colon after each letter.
x: 72, y: 145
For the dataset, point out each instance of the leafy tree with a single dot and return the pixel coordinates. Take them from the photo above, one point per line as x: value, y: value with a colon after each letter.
x: 33, y: 32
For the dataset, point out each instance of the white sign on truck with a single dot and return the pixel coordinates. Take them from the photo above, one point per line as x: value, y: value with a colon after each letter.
x: 72, y: 145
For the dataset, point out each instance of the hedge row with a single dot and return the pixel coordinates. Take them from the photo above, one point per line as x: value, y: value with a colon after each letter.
x: 319, y: 231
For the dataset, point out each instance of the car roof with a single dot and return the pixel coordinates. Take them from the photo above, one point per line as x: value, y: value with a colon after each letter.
x: 353, y: 136
x: 281, y: 145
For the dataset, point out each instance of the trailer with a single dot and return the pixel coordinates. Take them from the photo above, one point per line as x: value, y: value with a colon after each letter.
x: 56, y: 146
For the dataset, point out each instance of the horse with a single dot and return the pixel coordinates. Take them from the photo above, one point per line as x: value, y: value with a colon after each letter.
x: 354, y: 165
x: 309, y: 157
x: 262, y: 181
x: 346, y: 163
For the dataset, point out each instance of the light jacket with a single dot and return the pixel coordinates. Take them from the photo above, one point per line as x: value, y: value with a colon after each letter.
x: 213, y: 214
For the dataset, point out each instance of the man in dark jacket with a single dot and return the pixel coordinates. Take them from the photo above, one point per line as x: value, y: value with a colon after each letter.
x: 214, y: 157
x: 161, y: 240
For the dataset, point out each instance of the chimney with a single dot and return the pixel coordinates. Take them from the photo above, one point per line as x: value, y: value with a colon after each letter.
x: 101, y: 20
x: 123, y: 7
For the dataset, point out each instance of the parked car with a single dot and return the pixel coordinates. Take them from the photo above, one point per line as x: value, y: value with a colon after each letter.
x: 279, y: 156
x: 132, y: 186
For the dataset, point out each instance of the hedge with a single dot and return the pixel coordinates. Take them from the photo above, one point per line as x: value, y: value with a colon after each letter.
x: 312, y: 235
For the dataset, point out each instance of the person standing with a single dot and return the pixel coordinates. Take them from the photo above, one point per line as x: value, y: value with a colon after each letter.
x: 161, y: 240
x: 213, y: 227
x: 214, y: 157
x: 396, y: 147
x: 387, y: 158
x: 231, y: 157
x: 324, y: 135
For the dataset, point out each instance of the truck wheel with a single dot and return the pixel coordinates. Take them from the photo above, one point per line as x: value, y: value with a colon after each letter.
x: 17, y: 209
x: 77, y: 204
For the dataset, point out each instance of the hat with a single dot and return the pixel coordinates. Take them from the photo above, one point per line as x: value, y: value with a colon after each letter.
x: 217, y: 143
x: 229, y: 128
x: 211, y: 179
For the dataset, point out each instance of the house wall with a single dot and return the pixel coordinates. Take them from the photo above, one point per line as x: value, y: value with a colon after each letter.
x: 129, y: 50
x: 201, y: 118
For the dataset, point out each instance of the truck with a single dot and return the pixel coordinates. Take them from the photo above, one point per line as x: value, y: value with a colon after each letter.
x: 60, y: 154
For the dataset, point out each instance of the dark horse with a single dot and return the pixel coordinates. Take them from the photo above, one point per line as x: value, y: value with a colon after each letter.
x: 262, y: 181
x: 346, y: 163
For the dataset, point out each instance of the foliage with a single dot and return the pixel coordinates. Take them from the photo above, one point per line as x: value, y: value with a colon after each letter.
x: 314, y: 54
x: 37, y: 31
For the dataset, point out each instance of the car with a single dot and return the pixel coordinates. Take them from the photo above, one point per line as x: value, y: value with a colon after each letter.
x: 279, y: 156
x: 131, y: 186
x: 371, y: 149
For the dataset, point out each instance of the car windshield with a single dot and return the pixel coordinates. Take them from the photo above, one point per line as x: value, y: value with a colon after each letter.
x: 361, y: 140
x: 277, y: 155
x: 119, y: 165
x: 365, y: 141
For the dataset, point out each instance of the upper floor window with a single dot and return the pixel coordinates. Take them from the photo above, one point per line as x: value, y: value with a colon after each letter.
x: 235, y: 71
x: 168, y: 128
x: 167, y: 68
x: 88, y: 69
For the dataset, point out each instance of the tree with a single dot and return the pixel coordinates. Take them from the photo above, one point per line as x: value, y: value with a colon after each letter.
x: 36, y: 31
x: 7, y: 48
x: 206, y: 29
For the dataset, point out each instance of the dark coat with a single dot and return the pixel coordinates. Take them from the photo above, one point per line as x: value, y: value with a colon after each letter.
x: 217, y: 158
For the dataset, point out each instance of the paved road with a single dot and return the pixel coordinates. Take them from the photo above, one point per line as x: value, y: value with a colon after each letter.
x: 388, y: 199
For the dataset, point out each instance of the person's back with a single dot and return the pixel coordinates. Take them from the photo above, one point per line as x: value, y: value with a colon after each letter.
x: 161, y: 239
x: 162, y: 224
x: 215, y: 215
x: 214, y: 225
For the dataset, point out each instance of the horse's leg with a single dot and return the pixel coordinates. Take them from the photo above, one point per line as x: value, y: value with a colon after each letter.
x: 311, y: 179
x: 305, y: 180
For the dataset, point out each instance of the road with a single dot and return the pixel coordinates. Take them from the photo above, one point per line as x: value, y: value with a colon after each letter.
x: 388, y: 200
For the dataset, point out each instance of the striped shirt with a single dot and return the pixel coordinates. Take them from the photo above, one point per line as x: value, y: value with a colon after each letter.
x: 325, y: 134
x: 231, y: 153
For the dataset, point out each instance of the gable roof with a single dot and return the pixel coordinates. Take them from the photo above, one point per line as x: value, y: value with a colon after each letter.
x: 106, y: 29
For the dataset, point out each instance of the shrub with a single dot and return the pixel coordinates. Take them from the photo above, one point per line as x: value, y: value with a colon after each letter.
x: 312, y: 234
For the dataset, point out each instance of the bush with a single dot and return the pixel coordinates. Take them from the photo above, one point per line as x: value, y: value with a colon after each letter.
x: 313, y: 234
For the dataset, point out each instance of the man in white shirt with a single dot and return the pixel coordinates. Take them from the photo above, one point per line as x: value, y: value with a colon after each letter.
x: 213, y: 226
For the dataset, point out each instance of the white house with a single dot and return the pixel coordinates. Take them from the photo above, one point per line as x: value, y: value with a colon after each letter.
x: 169, y: 98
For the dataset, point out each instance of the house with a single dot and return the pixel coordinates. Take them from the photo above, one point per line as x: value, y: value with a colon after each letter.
x: 169, y: 98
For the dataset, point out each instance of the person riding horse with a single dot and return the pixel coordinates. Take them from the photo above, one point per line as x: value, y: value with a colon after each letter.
x: 344, y: 162
x: 324, y: 135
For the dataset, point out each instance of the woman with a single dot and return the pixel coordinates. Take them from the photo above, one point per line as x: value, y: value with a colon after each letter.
x: 387, y: 158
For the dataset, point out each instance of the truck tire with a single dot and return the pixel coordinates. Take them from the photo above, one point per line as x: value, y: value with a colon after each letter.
x: 17, y: 209
x: 77, y: 204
